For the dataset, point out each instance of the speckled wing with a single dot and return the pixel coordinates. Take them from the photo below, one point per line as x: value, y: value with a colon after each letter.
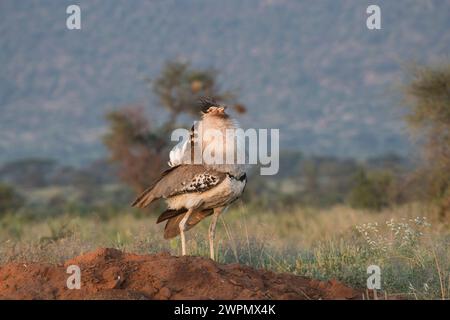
x: 180, y: 180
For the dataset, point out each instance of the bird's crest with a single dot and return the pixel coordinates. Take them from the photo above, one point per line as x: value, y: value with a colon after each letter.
x: 211, y: 107
x: 207, y: 102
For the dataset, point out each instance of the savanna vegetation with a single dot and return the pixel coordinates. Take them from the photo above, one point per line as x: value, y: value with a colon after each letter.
x: 322, y: 217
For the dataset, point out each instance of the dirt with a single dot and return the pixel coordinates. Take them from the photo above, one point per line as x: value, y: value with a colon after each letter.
x: 112, y: 274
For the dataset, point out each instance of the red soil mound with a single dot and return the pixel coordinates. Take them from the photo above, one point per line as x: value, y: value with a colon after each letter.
x: 112, y: 274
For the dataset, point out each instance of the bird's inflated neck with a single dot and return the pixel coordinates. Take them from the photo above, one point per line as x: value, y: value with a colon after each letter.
x: 216, y: 121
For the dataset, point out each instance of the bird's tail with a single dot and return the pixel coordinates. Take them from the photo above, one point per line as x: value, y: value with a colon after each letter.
x: 174, y: 218
x: 144, y: 199
x: 170, y: 213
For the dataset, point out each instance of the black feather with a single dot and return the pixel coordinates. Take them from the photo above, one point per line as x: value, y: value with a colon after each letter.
x: 169, y: 213
x: 206, y: 102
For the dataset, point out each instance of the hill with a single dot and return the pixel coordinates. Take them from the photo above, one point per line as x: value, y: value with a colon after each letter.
x: 311, y: 68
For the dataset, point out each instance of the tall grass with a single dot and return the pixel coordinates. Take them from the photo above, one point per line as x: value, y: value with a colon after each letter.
x: 408, y: 243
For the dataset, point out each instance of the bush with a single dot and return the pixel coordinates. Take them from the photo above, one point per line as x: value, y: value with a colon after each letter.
x: 10, y: 200
x: 428, y: 100
x: 370, y: 192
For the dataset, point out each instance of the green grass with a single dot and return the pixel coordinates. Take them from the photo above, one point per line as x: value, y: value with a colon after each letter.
x: 339, y: 242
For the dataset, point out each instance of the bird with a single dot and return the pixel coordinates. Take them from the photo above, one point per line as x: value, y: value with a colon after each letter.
x: 194, y: 191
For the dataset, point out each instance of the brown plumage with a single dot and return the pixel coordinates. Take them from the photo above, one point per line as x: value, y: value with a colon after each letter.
x: 172, y: 228
x: 196, y: 191
x: 182, y: 180
x: 175, y: 181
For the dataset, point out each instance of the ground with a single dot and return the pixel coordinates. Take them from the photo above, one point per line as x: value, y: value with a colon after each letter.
x: 409, y: 244
x: 113, y: 274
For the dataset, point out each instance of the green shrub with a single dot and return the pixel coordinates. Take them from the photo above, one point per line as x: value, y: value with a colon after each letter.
x: 10, y: 200
x: 370, y: 192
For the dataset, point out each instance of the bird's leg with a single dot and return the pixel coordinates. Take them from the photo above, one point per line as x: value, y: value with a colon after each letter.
x: 212, y: 231
x: 182, y: 227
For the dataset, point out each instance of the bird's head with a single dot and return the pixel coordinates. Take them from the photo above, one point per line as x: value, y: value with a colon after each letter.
x: 210, y: 108
x: 217, y: 111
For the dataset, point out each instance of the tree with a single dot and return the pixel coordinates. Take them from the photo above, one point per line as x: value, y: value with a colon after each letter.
x: 370, y: 192
x: 28, y: 172
x: 312, y: 188
x: 428, y: 100
x: 136, y: 145
x: 179, y: 88
x: 10, y: 200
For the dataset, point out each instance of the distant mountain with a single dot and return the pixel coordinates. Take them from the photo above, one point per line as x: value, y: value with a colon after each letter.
x: 310, y: 68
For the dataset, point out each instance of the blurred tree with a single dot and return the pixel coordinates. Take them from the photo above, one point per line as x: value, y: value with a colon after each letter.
x: 134, y: 147
x: 10, y: 200
x: 311, y: 184
x: 29, y: 172
x: 428, y: 100
x: 179, y: 88
x: 370, y: 192
x: 139, y: 149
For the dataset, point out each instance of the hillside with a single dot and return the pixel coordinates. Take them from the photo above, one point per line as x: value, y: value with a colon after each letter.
x: 310, y: 68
